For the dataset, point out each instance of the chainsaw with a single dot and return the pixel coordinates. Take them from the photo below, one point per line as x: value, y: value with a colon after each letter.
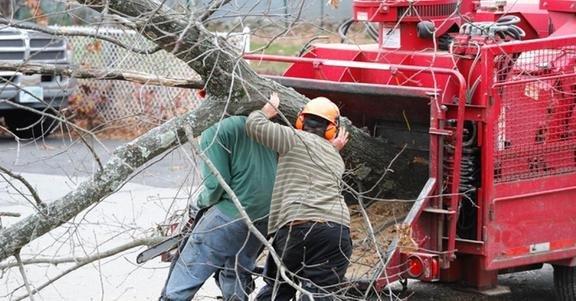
x: 167, y: 245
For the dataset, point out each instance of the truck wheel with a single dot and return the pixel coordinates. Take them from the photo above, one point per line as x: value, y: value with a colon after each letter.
x: 564, y: 283
x: 29, y: 125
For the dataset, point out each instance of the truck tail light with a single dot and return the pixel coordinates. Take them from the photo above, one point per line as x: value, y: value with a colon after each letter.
x: 415, y: 267
x: 422, y: 266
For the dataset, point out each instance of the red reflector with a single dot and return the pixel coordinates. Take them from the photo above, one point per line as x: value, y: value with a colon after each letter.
x: 435, y: 268
x: 415, y: 267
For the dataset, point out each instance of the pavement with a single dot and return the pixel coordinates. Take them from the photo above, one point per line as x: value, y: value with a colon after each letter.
x: 54, y: 166
x: 73, y: 158
x: 536, y: 285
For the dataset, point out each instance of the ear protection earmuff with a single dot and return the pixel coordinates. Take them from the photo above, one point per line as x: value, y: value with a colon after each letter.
x: 331, y: 130
x: 299, y: 124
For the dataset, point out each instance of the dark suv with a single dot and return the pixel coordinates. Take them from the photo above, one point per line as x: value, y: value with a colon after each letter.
x: 44, y: 93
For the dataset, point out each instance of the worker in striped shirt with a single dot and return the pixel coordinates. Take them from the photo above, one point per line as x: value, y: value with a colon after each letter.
x: 308, y: 216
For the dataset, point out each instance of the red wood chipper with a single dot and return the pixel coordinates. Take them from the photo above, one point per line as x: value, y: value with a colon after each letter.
x: 489, y: 91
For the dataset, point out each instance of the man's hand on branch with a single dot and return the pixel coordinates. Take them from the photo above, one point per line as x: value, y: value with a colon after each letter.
x: 270, y: 109
x: 341, y: 139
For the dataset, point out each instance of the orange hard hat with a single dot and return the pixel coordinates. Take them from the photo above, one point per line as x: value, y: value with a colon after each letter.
x: 324, y: 108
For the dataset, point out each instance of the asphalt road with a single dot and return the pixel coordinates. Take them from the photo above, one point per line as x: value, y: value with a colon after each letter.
x: 73, y: 158
x: 55, y: 156
x: 536, y: 285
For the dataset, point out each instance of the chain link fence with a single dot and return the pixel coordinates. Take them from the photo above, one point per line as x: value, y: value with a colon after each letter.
x: 117, y: 102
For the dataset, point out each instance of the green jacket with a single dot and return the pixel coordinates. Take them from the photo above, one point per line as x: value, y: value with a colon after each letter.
x: 247, y: 166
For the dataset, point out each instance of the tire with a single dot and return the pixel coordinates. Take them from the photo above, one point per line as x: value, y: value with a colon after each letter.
x: 564, y: 283
x: 29, y: 125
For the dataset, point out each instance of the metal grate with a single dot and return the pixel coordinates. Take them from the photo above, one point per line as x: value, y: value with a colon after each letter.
x: 535, y: 135
x: 439, y: 10
x: 23, y: 45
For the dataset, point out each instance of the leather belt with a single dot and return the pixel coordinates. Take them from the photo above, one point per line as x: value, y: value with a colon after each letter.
x: 301, y: 222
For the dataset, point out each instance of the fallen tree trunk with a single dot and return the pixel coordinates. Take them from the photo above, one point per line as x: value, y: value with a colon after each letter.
x: 233, y: 88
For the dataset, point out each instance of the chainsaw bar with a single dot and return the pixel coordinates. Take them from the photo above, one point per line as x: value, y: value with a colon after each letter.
x: 158, y: 249
x: 172, y: 242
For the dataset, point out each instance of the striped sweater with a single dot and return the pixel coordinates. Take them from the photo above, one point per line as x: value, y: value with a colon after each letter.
x: 308, y: 175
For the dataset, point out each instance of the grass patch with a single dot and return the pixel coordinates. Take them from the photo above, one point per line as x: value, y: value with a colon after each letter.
x: 287, y: 47
x: 281, y: 47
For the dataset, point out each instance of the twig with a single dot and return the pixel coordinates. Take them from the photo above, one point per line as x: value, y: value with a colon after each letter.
x: 216, y: 5
x: 22, y: 180
x: 23, y: 273
x: 371, y: 235
x: 388, y: 168
x: 57, y: 261
x: 91, y: 149
x: 81, y: 261
x: 11, y: 214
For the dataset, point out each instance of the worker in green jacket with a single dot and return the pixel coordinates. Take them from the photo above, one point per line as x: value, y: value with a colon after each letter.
x: 221, y: 241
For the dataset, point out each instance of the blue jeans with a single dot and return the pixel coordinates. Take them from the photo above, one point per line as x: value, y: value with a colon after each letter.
x: 218, y: 242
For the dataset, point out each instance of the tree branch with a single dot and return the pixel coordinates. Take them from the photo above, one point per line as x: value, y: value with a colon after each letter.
x: 80, y: 262
x: 56, y: 261
x: 214, y: 6
x: 11, y: 214
x: 132, y: 76
x: 23, y: 273
x: 22, y: 180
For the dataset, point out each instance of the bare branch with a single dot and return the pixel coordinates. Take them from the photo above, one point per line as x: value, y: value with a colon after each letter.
x: 23, y: 273
x: 56, y: 261
x: 80, y: 262
x: 22, y: 180
x: 10, y: 214
x: 214, y: 6
x: 137, y: 77
x: 92, y: 151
